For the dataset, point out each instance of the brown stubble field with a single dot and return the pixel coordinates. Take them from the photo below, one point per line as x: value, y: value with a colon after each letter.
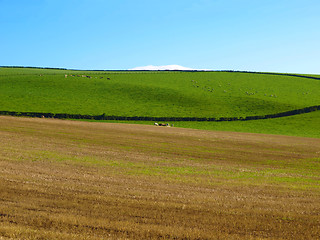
x: 64, y: 179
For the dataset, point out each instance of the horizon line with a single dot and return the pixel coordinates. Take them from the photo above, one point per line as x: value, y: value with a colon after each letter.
x: 165, y: 70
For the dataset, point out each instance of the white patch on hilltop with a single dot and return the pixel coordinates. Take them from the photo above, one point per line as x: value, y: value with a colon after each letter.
x: 166, y: 67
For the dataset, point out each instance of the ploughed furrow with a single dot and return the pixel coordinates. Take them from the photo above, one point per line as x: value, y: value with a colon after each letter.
x: 80, y: 180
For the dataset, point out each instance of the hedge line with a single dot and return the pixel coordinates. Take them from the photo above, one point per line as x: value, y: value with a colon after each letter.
x: 279, y: 74
x: 171, y: 119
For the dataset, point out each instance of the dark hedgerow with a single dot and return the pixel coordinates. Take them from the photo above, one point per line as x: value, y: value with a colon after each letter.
x: 148, y: 118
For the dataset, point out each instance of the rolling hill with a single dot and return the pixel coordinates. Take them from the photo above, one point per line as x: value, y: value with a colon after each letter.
x: 178, y: 94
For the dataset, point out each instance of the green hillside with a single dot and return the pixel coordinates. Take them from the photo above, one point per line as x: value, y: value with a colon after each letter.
x: 157, y: 94
x: 303, y: 125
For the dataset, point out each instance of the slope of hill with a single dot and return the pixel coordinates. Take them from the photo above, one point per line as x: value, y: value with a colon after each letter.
x: 302, y: 125
x: 79, y: 180
x: 155, y: 94
x: 199, y: 94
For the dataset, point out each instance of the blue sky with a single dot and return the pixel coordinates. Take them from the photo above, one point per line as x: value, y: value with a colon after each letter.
x: 252, y: 35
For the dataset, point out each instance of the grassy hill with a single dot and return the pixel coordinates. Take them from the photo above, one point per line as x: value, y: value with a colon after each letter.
x: 156, y: 94
x: 303, y: 125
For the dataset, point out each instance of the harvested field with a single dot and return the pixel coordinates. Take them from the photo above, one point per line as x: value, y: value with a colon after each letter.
x: 79, y: 180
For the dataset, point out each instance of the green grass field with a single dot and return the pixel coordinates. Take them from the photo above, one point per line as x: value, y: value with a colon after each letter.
x: 303, y: 125
x: 166, y: 94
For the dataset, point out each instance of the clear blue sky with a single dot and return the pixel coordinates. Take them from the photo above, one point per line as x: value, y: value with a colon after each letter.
x: 253, y: 35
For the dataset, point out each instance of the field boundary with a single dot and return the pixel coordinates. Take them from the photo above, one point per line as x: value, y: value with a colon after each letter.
x: 271, y: 73
x: 148, y: 118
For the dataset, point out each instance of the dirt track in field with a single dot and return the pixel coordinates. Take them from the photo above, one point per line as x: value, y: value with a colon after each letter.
x: 79, y: 180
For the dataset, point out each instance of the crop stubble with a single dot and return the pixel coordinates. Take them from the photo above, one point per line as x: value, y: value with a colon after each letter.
x: 78, y: 180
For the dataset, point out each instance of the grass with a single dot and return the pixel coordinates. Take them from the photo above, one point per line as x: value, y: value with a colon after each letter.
x: 88, y: 180
x: 79, y: 180
x: 177, y: 94
x: 167, y: 94
x: 304, y: 125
